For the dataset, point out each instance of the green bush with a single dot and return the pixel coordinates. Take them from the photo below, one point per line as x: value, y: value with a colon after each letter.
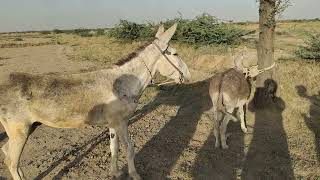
x: 203, y: 30
x: 100, y: 32
x: 45, y: 32
x: 132, y: 31
x: 57, y: 31
x: 18, y: 39
x: 83, y: 32
x: 312, y: 48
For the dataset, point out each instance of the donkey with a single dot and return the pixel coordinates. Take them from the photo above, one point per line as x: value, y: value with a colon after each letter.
x: 105, y: 96
x: 229, y: 90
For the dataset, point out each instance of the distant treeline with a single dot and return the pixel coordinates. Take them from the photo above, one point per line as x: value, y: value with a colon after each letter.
x: 86, y: 30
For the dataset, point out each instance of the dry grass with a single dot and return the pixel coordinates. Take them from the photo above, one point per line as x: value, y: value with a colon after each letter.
x: 205, y: 61
x: 99, y: 49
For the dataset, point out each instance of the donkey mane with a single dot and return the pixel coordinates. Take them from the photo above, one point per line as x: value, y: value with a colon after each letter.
x: 132, y: 55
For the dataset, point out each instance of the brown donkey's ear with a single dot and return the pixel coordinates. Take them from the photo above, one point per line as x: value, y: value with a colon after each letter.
x: 238, y: 62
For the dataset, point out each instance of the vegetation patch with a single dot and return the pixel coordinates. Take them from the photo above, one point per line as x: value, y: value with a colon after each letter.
x: 203, y: 30
x: 15, y: 45
x: 312, y: 48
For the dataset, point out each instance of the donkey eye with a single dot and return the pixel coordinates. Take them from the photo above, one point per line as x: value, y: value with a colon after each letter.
x: 167, y: 52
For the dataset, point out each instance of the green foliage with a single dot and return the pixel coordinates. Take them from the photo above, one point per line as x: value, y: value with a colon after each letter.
x: 18, y: 39
x: 57, y: 31
x: 100, y: 32
x: 312, y: 48
x: 45, y: 32
x: 83, y: 32
x: 132, y: 31
x: 203, y: 30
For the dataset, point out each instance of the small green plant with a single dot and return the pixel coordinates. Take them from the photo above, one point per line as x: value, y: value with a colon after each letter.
x: 18, y: 39
x: 45, y: 32
x: 312, y: 48
x: 100, y: 32
x: 83, y: 32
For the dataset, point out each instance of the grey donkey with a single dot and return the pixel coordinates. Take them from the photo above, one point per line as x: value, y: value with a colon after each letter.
x: 101, y: 97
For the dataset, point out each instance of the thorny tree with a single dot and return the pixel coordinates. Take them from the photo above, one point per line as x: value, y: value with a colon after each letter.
x: 268, y: 10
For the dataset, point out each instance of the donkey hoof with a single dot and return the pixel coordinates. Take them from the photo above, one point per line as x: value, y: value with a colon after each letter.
x: 117, y: 174
x: 217, y: 144
x: 225, y: 146
x: 245, y: 130
x: 135, y: 176
x: 21, y: 174
x: 228, y: 135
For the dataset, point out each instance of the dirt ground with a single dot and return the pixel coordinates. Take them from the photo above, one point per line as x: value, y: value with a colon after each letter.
x: 172, y: 129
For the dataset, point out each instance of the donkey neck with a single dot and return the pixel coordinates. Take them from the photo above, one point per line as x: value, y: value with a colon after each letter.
x: 142, y: 67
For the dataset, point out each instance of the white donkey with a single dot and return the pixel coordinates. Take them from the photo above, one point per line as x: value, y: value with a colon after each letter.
x: 107, y: 96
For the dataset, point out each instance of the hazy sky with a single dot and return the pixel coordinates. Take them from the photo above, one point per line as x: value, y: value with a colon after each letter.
x: 19, y: 15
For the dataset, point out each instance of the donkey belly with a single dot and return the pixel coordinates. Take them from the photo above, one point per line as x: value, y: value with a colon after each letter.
x: 59, y: 118
x: 80, y: 115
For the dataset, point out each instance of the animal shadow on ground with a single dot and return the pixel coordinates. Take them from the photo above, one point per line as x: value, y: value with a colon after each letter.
x: 268, y: 155
x: 219, y: 164
x: 313, y: 120
x: 80, y: 152
x: 96, y: 116
x: 159, y: 155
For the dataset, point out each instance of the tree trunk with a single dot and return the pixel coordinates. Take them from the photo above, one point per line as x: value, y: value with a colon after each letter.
x: 265, y: 48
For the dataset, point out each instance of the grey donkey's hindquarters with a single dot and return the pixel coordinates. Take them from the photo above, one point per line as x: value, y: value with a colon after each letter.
x: 228, y: 91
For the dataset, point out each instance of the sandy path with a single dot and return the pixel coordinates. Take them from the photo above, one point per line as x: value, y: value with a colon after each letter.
x: 39, y: 59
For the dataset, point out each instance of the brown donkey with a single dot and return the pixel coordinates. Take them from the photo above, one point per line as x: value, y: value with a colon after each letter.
x: 229, y: 90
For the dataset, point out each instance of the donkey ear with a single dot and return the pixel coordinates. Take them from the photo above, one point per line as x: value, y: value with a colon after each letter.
x: 166, y: 36
x: 238, y: 62
x: 160, y: 31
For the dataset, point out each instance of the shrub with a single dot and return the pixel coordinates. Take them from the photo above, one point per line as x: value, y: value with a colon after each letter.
x: 18, y: 39
x: 100, y: 32
x: 203, y: 30
x: 312, y: 48
x: 57, y: 31
x: 132, y: 31
x: 45, y: 32
x: 83, y: 32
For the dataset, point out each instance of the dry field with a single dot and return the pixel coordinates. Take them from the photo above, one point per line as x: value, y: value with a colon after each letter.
x: 172, y: 129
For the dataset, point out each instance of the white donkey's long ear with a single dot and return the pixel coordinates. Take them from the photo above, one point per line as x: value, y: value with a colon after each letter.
x: 166, y: 36
x: 160, y: 31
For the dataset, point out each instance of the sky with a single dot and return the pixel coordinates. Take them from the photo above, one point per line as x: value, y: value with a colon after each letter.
x: 23, y: 15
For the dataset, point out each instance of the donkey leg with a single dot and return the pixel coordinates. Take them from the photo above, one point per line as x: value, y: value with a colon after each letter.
x: 114, y: 148
x: 18, y: 135
x: 242, y: 119
x: 223, y: 129
x: 5, y: 149
x: 124, y: 137
x: 216, y: 127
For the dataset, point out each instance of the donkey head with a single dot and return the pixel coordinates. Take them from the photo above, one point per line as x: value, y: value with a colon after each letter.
x: 251, y: 71
x: 170, y: 64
